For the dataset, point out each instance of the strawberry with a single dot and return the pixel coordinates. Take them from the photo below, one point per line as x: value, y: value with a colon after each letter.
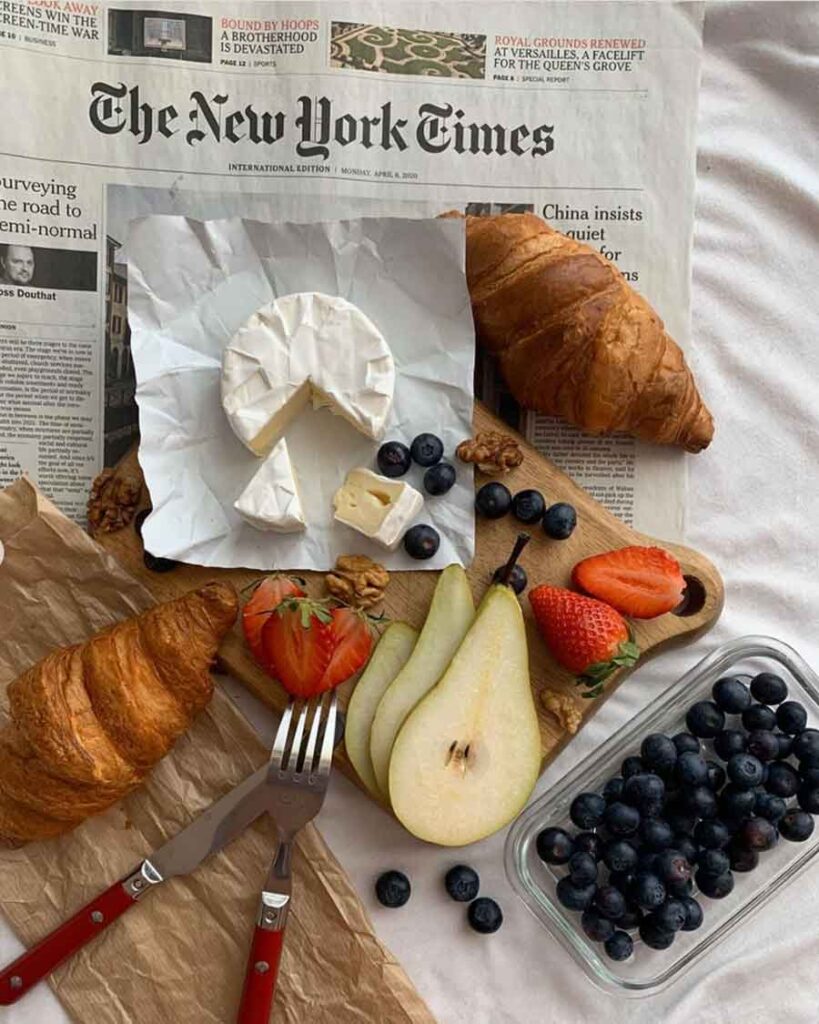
x: 639, y: 582
x: 298, y: 644
x: 268, y: 593
x: 584, y: 635
x: 353, y: 639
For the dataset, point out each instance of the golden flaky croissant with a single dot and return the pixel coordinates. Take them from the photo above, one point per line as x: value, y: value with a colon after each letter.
x: 573, y: 339
x: 89, y: 722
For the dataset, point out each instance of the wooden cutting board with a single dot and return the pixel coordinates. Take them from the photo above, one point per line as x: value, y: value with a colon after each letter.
x: 546, y: 561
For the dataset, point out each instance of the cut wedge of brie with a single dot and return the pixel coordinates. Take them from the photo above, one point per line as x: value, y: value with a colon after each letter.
x: 377, y: 506
x: 271, y: 500
x: 302, y: 347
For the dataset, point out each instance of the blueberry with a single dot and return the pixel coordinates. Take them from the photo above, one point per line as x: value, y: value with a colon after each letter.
x: 714, y: 862
x: 649, y: 891
x: 768, y: 688
x: 681, y: 819
x: 619, y: 855
x: 671, y: 915
x: 693, y: 914
x: 701, y: 801
x: 736, y: 802
x: 745, y: 770
x: 597, y: 927
x: 730, y: 742
x: 440, y: 478
x: 656, y: 834
x: 796, y: 826
x: 589, y: 842
x: 658, y: 751
x: 421, y: 541
x: 686, y: 743
x: 157, y: 564
x: 791, y: 717
x: 393, y: 889
x: 610, y: 902
x: 613, y: 789
x: 619, y: 946
x: 716, y: 775
x: 691, y: 769
x: 808, y: 798
x: 643, y: 790
x: 731, y: 694
x: 647, y: 860
x: 705, y: 719
x: 559, y: 521
x: 586, y: 810
x: 462, y: 883
x: 716, y: 887
x: 493, y: 500
x: 393, y: 458
x: 554, y: 846
x: 653, y: 935
x: 582, y: 869
x: 713, y: 835
x: 484, y: 915
x: 806, y: 746
x: 782, y: 780
x: 785, y: 745
x: 742, y: 859
x: 758, y: 716
x: 762, y: 743
x: 622, y: 880
x: 621, y: 819
x: 631, y: 919
x: 757, y: 834
x: 672, y: 867
x: 766, y: 805
x: 574, y: 897
x: 528, y: 506
x: 687, y: 847
x: 517, y: 578
x: 632, y: 766
x: 427, y: 449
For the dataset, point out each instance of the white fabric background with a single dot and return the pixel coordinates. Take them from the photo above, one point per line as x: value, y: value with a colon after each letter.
x: 754, y: 508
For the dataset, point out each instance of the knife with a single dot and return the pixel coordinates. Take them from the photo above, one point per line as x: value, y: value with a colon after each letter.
x: 221, y: 823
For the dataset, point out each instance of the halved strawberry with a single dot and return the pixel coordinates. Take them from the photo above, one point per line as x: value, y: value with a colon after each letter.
x: 353, y: 638
x: 267, y: 595
x: 640, y: 582
x: 297, y: 645
x: 584, y: 635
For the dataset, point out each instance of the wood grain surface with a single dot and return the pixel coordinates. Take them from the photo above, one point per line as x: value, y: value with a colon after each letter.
x: 409, y: 593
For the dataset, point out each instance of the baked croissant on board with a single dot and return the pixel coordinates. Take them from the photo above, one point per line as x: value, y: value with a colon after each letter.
x: 89, y: 722
x: 573, y: 339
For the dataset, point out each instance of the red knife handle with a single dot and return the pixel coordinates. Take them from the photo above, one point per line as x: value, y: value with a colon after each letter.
x: 260, y: 979
x: 39, y: 961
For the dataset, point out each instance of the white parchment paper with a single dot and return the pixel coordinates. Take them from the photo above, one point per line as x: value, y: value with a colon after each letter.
x: 193, y: 283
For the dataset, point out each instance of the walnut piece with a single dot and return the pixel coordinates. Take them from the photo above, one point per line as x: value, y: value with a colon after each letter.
x: 564, y: 708
x: 112, y: 502
x: 491, y: 451
x: 357, y: 580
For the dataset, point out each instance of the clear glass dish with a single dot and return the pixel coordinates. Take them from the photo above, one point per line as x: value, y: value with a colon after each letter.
x: 649, y: 971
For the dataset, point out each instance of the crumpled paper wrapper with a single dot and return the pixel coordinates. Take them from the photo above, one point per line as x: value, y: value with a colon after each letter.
x: 179, y: 954
x: 192, y: 284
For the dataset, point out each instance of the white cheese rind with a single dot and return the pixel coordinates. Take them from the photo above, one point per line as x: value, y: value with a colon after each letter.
x: 376, y: 506
x: 271, y: 500
x: 300, y: 347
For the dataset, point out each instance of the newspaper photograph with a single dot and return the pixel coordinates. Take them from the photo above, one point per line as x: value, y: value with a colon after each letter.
x: 584, y: 114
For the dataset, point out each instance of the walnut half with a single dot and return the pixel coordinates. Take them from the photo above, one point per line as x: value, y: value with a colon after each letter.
x: 491, y: 451
x: 564, y: 708
x: 357, y: 580
x: 112, y: 502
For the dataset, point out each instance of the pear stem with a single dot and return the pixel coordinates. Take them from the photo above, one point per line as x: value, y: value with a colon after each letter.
x: 506, y: 571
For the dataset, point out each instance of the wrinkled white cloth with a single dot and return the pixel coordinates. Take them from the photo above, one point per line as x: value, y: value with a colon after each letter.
x: 753, y: 508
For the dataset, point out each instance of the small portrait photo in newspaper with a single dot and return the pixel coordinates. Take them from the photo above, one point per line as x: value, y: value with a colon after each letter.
x: 28, y: 271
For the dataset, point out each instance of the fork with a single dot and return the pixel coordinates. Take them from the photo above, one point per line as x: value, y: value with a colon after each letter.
x: 302, y: 771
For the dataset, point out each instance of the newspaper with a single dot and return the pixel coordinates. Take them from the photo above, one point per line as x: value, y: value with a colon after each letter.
x: 583, y: 113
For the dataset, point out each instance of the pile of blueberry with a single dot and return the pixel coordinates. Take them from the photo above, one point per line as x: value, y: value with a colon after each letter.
x: 393, y: 889
x: 494, y: 500
x: 676, y: 821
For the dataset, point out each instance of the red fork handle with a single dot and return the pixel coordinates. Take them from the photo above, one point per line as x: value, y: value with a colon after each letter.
x: 39, y: 961
x: 260, y: 979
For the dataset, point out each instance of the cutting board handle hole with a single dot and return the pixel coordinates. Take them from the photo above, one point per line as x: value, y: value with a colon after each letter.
x: 693, y: 599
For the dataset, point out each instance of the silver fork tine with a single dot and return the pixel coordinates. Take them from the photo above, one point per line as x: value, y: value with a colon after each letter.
x: 280, y: 743
x: 328, y: 743
x: 312, y: 739
x: 292, y: 761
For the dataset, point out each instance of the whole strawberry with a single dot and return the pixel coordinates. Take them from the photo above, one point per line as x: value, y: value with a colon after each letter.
x: 584, y: 635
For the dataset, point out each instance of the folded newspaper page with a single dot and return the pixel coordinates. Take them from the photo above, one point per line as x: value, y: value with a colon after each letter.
x: 582, y: 113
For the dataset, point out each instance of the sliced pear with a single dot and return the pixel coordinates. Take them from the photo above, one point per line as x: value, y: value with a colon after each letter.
x: 467, y: 758
x: 450, y: 615
x: 389, y: 657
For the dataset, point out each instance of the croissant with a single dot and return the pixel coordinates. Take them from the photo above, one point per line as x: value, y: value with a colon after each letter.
x: 573, y: 339
x: 89, y: 722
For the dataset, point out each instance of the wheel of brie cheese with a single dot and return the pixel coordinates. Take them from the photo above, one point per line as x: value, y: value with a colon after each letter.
x: 301, y: 348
